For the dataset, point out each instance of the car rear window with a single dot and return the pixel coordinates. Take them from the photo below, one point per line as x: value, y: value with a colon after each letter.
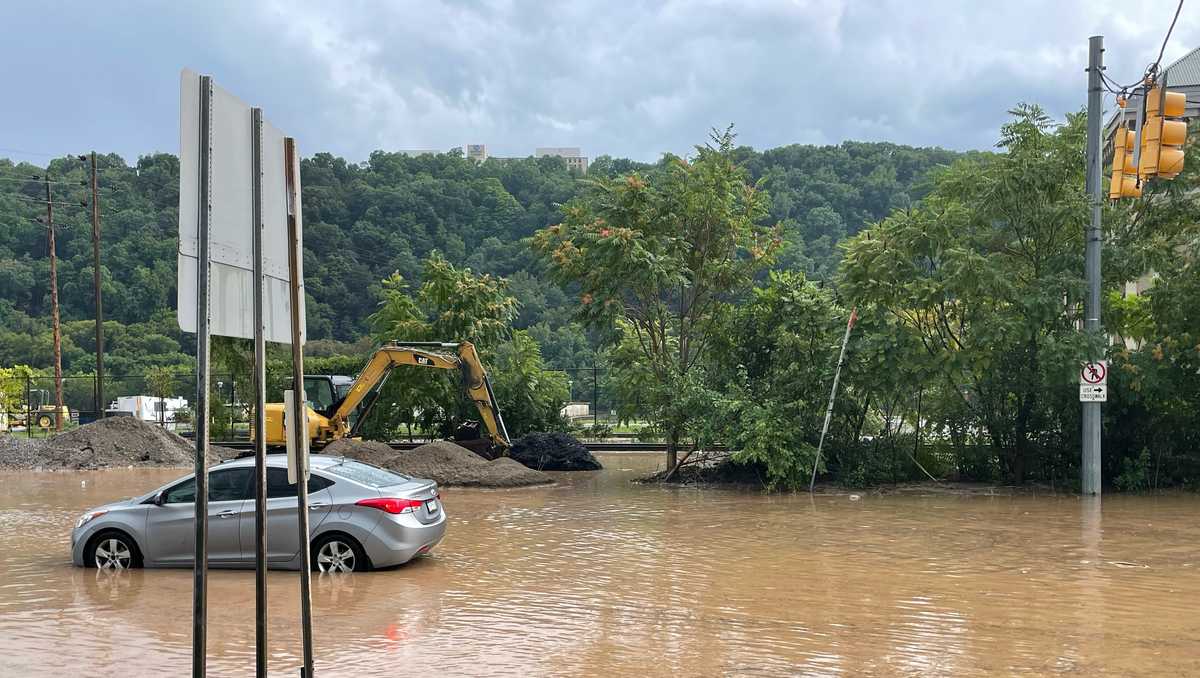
x: 371, y: 476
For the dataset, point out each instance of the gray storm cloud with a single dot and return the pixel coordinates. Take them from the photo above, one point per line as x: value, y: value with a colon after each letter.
x: 627, y: 79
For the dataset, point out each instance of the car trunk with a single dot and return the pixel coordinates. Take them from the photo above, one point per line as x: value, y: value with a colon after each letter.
x: 414, y: 488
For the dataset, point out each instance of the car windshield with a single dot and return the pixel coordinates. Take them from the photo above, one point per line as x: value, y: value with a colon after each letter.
x: 371, y: 476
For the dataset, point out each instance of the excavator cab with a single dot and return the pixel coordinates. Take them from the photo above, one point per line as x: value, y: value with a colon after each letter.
x: 326, y: 391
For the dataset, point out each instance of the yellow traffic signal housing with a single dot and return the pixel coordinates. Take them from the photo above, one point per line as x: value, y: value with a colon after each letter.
x: 1124, y: 173
x: 1163, y: 138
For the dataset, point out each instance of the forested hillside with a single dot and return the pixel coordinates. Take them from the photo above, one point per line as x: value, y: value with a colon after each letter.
x: 365, y: 221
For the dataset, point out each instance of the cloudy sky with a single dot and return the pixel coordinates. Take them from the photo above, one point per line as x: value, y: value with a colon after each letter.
x: 626, y: 78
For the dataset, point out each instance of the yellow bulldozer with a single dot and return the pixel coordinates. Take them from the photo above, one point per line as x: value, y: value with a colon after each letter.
x: 40, y: 410
x: 334, y: 399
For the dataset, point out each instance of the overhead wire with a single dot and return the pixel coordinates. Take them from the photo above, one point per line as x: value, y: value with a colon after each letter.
x: 1151, y: 70
x: 1163, y: 49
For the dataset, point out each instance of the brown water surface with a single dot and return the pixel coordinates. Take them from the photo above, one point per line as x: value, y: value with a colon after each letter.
x: 598, y: 576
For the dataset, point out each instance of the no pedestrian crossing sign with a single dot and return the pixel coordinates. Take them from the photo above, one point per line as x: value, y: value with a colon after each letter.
x: 1093, y: 382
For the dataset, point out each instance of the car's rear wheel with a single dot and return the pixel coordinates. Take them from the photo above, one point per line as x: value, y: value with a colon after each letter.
x: 338, y: 553
x: 113, y: 551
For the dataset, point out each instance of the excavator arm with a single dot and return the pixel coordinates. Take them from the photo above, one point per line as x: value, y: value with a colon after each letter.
x: 434, y: 355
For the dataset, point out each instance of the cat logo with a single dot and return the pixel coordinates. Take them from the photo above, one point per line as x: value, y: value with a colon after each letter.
x: 423, y: 360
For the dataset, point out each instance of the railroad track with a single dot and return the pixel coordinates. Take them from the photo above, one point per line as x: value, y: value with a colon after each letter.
x: 593, y: 446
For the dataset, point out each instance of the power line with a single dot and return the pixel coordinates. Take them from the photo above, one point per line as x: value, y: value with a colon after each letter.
x: 43, y: 202
x: 1152, y: 69
x: 33, y: 180
x: 1168, y: 36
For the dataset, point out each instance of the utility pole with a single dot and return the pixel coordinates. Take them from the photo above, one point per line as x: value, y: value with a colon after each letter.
x: 100, y: 403
x: 58, y: 384
x: 1090, y: 467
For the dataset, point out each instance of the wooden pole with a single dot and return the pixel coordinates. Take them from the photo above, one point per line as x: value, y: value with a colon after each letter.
x: 101, y: 406
x: 58, y: 384
x: 299, y: 430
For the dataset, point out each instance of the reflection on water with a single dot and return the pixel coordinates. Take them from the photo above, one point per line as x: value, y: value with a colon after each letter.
x: 597, y: 576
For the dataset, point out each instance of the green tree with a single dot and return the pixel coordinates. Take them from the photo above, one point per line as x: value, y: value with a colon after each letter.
x: 987, y: 274
x: 160, y: 381
x: 665, y: 255
x: 774, y: 373
x: 531, y: 397
x: 451, y: 305
x: 13, y: 384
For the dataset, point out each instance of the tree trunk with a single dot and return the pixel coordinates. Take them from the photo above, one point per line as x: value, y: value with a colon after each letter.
x: 672, y: 449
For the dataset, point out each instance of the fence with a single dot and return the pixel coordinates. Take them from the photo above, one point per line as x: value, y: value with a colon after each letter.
x: 25, y: 401
x: 592, y: 405
x: 595, y: 407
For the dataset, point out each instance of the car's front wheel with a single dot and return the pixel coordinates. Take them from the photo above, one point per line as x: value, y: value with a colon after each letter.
x: 337, y: 553
x: 113, y: 551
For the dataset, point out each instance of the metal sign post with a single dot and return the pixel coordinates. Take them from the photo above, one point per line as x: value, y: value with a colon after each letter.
x: 200, y: 562
x: 238, y: 253
x: 300, y: 402
x: 260, y: 406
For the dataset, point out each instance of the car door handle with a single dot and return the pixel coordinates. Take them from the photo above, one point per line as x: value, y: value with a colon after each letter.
x: 317, y: 504
x: 227, y: 513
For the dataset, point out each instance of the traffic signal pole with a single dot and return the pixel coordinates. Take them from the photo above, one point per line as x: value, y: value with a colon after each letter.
x: 1090, y: 467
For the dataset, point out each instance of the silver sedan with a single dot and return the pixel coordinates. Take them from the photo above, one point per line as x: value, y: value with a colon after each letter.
x: 360, y: 517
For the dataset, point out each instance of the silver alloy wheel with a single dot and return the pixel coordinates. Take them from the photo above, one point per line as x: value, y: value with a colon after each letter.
x: 335, y: 556
x: 113, y: 554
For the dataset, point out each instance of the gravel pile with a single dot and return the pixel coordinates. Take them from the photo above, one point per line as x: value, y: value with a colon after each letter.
x: 18, y: 452
x: 115, y: 442
x: 441, y: 461
x: 370, y: 451
x: 553, y: 452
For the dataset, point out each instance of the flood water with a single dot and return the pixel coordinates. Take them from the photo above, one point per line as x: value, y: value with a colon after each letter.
x: 598, y: 576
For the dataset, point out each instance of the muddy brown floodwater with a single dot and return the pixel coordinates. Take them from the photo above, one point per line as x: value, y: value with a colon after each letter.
x: 598, y: 576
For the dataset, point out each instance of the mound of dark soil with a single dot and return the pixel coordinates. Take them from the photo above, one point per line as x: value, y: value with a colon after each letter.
x: 114, y: 442
x: 441, y: 461
x: 553, y: 452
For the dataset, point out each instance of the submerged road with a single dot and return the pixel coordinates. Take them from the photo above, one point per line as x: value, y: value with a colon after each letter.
x: 599, y: 576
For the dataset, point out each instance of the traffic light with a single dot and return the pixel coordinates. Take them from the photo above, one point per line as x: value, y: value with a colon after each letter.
x: 1124, y: 173
x: 1163, y: 134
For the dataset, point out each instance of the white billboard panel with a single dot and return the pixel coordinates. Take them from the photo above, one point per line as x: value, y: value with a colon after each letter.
x: 231, y: 220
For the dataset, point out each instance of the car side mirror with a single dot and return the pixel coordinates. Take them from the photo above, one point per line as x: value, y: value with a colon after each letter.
x: 160, y: 498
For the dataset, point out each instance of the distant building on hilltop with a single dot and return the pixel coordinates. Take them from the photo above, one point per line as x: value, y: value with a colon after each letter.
x: 575, y: 159
x: 477, y: 152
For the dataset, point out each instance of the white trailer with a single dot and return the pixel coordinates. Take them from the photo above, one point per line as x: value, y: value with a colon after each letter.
x: 150, y: 408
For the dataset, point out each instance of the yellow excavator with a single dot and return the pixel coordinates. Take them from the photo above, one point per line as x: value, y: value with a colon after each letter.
x: 333, y: 399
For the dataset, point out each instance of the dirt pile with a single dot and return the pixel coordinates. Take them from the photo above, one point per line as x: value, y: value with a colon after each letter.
x: 370, y: 451
x: 553, y: 452
x: 18, y: 452
x: 441, y: 461
x: 114, y: 442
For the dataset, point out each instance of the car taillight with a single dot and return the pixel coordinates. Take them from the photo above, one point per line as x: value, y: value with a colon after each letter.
x: 392, y: 504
